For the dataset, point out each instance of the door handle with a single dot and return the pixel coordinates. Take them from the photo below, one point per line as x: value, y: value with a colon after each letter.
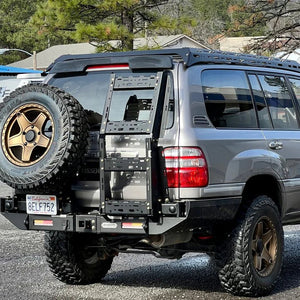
x: 275, y: 145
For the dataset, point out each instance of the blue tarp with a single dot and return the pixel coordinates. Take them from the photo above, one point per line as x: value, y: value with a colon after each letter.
x: 11, y: 70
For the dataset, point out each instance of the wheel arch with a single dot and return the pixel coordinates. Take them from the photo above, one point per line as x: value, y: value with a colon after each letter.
x: 263, y: 185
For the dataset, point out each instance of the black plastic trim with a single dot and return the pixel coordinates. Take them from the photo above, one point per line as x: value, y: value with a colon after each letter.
x: 221, y: 209
x: 75, y: 63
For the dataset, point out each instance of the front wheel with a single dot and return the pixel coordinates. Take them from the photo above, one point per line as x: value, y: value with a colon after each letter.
x: 74, y: 258
x: 251, y: 259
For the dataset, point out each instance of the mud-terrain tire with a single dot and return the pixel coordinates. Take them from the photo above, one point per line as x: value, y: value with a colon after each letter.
x: 258, y: 237
x: 71, y: 261
x: 44, y: 135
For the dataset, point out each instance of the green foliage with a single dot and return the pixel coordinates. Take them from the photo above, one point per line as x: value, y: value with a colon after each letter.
x: 37, y: 24
x: 244, y: 22
x: 98, y: 21
x: 14, y: 33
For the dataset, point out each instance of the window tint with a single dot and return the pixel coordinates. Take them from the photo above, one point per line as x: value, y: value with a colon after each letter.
x: 227, y: 99
x: 295, y: 83
x: 90, y: 90
x: 131, y: 105
x: 279, y: 101
x: 261, y: 106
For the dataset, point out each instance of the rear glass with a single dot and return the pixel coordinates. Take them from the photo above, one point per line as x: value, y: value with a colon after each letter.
x: 130, y: 101
x: 89, y: 89
x: 131, y: 105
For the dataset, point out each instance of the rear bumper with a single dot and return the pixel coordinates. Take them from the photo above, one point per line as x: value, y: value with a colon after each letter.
x: 188, y: 214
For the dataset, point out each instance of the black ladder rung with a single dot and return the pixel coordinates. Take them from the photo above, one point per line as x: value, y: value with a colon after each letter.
x: 126, y: 164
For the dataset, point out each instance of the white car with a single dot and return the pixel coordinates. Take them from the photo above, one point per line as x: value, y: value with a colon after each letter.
x: 7, y: 85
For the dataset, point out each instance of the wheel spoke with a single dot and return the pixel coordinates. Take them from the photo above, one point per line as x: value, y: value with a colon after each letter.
x: 43, y: 141
x: 254, y: 245
x: 266, y: 256
x: 260, y: 227
x: 26, y: 153
x: 40, y: 120
x: 257, y: 262
x: 22, y: 121
x: 267, y: 237
x: 15, y: 140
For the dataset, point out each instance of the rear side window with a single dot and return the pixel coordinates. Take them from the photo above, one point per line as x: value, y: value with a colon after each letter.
x: 227, y: 99
x: 280, y: 104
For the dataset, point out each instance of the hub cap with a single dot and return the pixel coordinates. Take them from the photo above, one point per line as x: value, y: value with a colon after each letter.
x: 264, y: 246
x: 27, y: 134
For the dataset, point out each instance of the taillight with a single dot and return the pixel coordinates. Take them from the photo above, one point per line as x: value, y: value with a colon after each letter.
x: 185, y: 167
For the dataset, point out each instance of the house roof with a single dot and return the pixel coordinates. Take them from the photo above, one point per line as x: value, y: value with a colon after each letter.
x: 46, y: 57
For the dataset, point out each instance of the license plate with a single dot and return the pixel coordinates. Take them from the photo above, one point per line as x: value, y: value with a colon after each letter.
x: 41, y: 205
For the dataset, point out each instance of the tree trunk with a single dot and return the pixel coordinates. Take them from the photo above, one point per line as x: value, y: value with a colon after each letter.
x: 127, y: 21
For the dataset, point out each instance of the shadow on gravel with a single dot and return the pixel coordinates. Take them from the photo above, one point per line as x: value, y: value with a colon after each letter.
x: 200, y: 273
x: 290, y: 274
x: 191, y: 273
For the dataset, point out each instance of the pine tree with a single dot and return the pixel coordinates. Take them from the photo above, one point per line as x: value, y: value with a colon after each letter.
x: 98, y: 21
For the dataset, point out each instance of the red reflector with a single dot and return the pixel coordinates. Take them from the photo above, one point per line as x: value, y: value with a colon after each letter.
x: 186, y: 167
x: 203, y: 238
x: 108, y: 67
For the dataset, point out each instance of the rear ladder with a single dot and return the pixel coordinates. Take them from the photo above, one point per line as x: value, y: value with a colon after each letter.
x: 131, y: 170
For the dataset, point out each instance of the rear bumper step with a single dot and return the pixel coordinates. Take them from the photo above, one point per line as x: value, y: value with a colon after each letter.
x: 199, y: 212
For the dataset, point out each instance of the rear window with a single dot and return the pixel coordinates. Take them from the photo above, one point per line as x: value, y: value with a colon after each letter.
x: 130, y: 100
x: 227, y: 99
x: 89, y: 89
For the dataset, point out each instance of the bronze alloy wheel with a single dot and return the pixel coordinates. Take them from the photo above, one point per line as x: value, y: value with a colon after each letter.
x: 250, y: 262
x: 44, y: 134
x: 264, y: 246
x: 27, y: 134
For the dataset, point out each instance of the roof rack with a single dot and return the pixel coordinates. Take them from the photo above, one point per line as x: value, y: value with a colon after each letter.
x: 193, y: 56
x: 197, y: 56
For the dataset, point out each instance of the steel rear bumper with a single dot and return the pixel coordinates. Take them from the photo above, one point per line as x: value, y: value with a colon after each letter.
x: 184, y: 215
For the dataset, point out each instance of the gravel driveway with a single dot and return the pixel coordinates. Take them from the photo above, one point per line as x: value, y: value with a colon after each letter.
x: 24, y: 273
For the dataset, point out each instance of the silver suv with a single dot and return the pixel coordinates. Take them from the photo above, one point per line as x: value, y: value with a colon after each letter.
x: 167, y: 152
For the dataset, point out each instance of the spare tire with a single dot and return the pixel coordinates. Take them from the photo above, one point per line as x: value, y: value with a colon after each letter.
x: 44, y: 135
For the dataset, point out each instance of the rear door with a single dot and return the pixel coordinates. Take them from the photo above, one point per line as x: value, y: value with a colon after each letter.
x: 281, y: 129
